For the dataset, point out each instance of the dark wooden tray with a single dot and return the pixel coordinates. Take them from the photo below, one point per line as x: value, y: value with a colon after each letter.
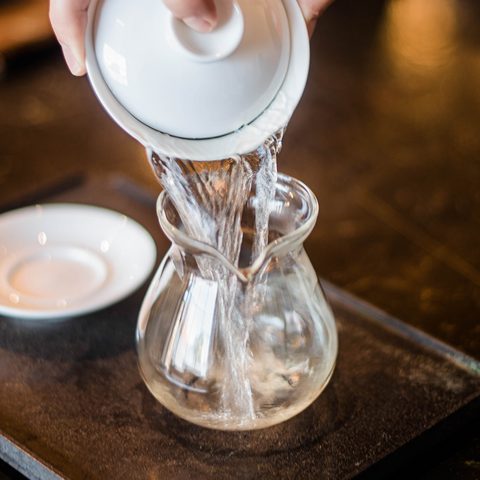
x: 73, y: 405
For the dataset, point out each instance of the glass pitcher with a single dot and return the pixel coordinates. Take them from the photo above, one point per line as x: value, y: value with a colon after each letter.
x: 251, y: 347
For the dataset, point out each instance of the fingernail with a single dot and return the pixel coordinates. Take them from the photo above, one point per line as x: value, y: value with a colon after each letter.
x: 71, y: 60
x: 200, y: 25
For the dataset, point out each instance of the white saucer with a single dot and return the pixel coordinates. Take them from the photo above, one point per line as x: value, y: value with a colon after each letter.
x: 62, y: 260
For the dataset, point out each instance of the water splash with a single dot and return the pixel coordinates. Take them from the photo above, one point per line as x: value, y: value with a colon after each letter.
x: 209, y: 198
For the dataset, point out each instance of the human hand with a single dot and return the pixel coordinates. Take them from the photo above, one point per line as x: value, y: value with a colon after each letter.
x: 311, y: 10
x: 69, y: 22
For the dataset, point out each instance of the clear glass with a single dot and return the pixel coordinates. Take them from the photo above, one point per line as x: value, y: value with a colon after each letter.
x: 251, y: 347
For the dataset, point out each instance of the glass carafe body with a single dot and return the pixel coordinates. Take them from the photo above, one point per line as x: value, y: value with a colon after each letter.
x: 249, y: 347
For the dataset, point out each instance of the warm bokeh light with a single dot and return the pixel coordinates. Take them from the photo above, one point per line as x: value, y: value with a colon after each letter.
x: 23, y: 23
x: 419, y: 35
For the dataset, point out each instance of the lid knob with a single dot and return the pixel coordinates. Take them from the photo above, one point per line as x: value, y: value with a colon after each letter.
x: 209, y: 47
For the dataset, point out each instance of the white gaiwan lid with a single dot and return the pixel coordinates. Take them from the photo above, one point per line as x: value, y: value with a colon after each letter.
x: 192, y: 95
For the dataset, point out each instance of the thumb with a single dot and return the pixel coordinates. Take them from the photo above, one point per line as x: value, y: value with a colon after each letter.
x: 200, y: 15
x: 69, y: 22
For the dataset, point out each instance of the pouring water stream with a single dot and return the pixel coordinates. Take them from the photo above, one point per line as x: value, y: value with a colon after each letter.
x: 209, y: 198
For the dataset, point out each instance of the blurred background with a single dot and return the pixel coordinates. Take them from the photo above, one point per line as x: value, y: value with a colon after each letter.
x: 387, y: 136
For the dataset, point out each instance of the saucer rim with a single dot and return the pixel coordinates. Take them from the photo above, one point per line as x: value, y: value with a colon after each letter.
x: 103, y: 297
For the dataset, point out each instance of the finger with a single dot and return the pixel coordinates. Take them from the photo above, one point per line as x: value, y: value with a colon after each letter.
x: 69, y: 22
x: 311, y: 27
x: 201, y: 15
x: 311, y: 10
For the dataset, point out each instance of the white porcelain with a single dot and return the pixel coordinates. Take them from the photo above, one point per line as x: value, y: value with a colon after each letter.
x: 189, y: 84
x: 149, y: 69
x: 62, y: 260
